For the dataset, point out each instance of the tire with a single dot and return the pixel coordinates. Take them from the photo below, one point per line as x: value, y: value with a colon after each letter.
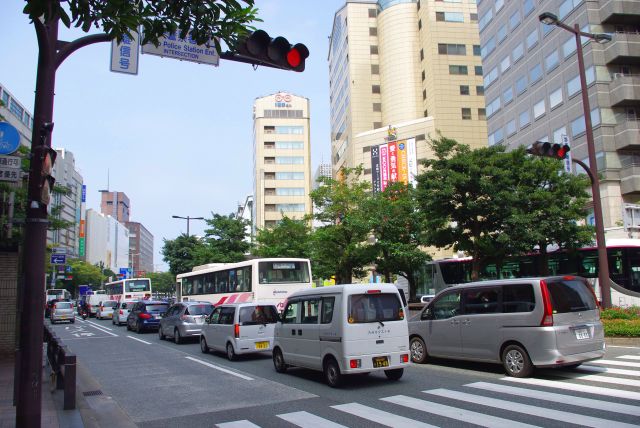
x: 113, y: 321
x: 231, y: 354
x: 128, y: 326
x: 204, y: 348
x: 516, y: 361
x: 278, y: 361
x: 418, y: 350
x: 332, y: 374
x: 176, y: 336
x: 394, y: 374
x: 73, y: 321
x: 139, y: 327
x: 161, y: 335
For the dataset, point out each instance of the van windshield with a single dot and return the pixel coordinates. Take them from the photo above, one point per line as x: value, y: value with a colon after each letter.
x: 570, y: 296
x: 366, y: 308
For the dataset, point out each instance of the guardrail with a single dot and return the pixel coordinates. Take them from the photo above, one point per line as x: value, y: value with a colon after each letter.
x: 63, y: 367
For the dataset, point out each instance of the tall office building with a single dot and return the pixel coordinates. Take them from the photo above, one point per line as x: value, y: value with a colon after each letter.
x: 323, y: 170
x: 412, y: 65
x: 533, y: 88
x: 115, y: 204
x: 140, y: 249
x: 282, y: 159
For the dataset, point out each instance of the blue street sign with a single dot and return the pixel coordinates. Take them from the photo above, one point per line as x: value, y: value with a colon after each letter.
x: 9, y: 139
x: 58, y: 259
x: 68, y: 269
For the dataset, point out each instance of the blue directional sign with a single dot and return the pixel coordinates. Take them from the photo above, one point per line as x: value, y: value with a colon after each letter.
x: 9, y: 139
x: 58, y: 259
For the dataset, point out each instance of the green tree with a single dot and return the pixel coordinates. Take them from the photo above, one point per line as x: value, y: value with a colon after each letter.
x: 162, y: 282
x: 289, y: 238
x: 397, y: 226
x: 225, y: 240
x: 181, y: 253
x: 84, y: 273
x: 341, y: 247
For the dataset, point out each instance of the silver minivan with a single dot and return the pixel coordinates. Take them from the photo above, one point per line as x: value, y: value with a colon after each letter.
x: 522, y: 323
x: 62, y: 311
x: 184, y: 319
x: 240, y: 328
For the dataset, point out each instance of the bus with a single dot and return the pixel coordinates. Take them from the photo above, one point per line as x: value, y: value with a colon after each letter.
x: 267, y: 280
x: 134, y: 288
x: 58, y: 293
x: 624, y: 270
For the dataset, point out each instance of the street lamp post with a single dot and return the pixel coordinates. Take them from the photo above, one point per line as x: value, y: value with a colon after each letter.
x: 188, y: 218
x: 603, y: 264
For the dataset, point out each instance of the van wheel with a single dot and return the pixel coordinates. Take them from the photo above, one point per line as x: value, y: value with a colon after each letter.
x: 278, y: 361
x: 418, y: 350
x: 203, y: 345
x: 516, y: 361
x: 161, y: 335
x: 176, y: 336
x: 394, y: 374
x: 332, y: 373
x: 74, y: 321
x: 231, y: 354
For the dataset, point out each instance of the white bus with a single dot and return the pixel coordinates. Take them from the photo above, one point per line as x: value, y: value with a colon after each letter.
x: 58, y: 293
x: 268, y: 280
x: 134, y: 288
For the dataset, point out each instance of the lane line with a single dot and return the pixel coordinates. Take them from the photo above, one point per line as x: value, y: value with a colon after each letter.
x: 615, y: 363
x: 308, y: 420
x: 379, y: 416
x: 238, y: 424
x: 99, y: 325
x: 568, y: 417
x: 629, y: 357
x: 597, y: 390
x: 104, y: 331
x: 454, y: 412
x: 608, y: 370
x: 139, y: 340
x: 204, y: 363
x: 607, y: 406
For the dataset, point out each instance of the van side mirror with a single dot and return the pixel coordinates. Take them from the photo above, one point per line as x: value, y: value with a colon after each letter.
x: 427, y: 314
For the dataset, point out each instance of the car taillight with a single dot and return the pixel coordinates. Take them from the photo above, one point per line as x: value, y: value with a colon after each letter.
x: 373, y: 291
x: 547, y: 317
x: 121, y: 313
x: 236, y: 330
x: 404, y: 358
x: 144, y: 316
x: 355, y: 364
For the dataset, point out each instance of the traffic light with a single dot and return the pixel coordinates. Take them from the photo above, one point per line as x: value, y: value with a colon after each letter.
x: 47, y: 157
x: 546, y: 149
x: 259, y: 48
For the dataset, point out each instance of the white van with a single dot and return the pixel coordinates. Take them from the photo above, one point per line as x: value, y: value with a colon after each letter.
x: 94, y: 301
x: 343, y: 329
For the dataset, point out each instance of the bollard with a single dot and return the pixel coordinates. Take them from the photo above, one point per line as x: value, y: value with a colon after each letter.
x: 69, y: 381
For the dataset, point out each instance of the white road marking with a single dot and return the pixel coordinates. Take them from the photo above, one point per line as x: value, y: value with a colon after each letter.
x: 139, y: 340
x: 625, y: 347
x: 598, y: 390
x: 602, y: 379
x: 99, y: 325
x: 204, y: 363
x: 102, y: 330
x: 454, y: 412
x: 568, y: 417
x: 238, y: 424
x: 308, y: 420
x: 629, y: 357
x: 379, y: 416
x: 608, y: 370
x: 616, y: 363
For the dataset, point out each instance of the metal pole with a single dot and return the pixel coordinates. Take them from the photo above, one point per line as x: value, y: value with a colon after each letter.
x: 603, y: 262
x: 188, y: 226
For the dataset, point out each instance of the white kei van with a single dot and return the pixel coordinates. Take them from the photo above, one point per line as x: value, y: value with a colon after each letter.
x: 343, y: 329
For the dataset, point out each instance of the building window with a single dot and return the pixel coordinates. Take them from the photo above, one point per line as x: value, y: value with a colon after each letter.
x: 539, y: 109
x: 426, y: 113
x: 535, y: 73
x: 514, y: 20
x: 464, y: 90
x: 578, y: 126
x: 419, y: 24
x: 373, y: 49
x: 524, y: 119
x: 532, y: 39
x: 421, y: 54
x: 493, y: 107
x: 466, y: 114
x: 450, y: 16
x: 488, y: 47
x: 424, y: 76
x: 528, y: 7
x: 510, y: 127
x: 507, y: 95
x: 377, y: 107
x: 518, y: 52
x: 289, y: 145
x: 502, y: 33
x: 569, y: 47
x: 377, y: 125
x: 478, y: 70
x: 373, y: 31
x: 505, y: 64
x: 479, y: 90
x: 458, y: 69
x: 375, y: 89
x: 289, y: 191
x: 473, y: 17
x: 551, y: 61
x: 491, y: 76
x: 521, y: 85
x: 476, y: 50
x: 373, y: 13
x: 375, y: 69
x: 555, y: 98
x: 451, y: 49
x: 289, y: 160
x: 424, y: 94
x: 485, y: 19
x: 482, y: 114
x: 573, y: 86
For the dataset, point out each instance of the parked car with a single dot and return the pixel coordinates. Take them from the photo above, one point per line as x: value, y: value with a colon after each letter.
x: 184, y: 319
x: 343, y: 329
x: 62, y: 311
x: 105, y: 309
x: 145, y: 315
x: 521, y: 323
x: 240, y: 328
x: 121, y: 312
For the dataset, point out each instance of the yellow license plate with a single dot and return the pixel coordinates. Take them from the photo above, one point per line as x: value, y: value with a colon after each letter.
x: 262, y: 345
x: 380, y: 362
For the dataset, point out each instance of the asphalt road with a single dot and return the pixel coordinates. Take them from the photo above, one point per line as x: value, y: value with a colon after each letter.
x: 161, y: 384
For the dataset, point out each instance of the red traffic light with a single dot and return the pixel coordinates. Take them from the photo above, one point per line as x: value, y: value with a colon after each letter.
x: 260, y: 49
x: 546, y: 149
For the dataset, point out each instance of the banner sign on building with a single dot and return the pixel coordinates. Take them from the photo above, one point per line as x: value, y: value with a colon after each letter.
x: 567, y: 159
x: 125, y: 55
x: 81, y: 247
x: 84, y: 193
x: 394, y: 161
x: 172, y: 46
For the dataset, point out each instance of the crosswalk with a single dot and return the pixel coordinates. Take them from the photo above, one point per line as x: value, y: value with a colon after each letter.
x: 612, y: 385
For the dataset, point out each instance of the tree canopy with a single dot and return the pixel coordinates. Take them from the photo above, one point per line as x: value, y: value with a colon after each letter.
x: 289, y: 238
x: 182, y: 253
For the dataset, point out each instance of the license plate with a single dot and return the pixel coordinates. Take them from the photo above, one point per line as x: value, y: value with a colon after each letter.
x: 380, y: 362
x: 63, y: 317
x: 582, y: 334
x: 262, y: 345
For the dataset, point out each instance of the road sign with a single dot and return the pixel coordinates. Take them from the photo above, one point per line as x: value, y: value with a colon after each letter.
x: 68, y: 269
x: 172, y: 46
x: 125, y: 55
x: 59, y: 250
x: 58, y: 259
x: 9, y: 138
x: 10, y: 167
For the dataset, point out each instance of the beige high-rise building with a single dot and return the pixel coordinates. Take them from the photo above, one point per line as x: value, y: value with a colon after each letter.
x: 412, y: 65
x: 282, y: 159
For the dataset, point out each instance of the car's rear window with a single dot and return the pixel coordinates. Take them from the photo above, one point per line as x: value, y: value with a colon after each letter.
x: 63, y: 305
x: 365, y: 308
x: 252, y: 315
x: 199, y: 310
x: 157, y: 308
x: 570, y: 296
x: 109, y: 303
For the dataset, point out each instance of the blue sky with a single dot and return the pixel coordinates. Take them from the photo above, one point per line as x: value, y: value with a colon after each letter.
x: 176, y: 138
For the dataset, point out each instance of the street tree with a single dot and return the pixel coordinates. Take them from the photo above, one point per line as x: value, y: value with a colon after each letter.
x: 162, y: 282
x: 84, y: 273
x: 288, y: 238
x: 225, y: 240
x: 181, y: 253
x: 342, y: 246
x: 397, y: 227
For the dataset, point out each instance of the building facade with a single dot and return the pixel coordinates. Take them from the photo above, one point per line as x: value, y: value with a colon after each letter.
x: 107, y: 242
x: 533, y: 90
x: 140, y: 249
x: 282, y: 159
x: 411, y: 65
x: 115, y: 204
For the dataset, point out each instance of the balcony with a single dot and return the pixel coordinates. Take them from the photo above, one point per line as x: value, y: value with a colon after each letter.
x: 627, y: 134
x: 625, y: 90
x: 623, y: 49
x: 619, y: 12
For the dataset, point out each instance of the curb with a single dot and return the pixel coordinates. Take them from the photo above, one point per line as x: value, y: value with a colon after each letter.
x: 622, y: 341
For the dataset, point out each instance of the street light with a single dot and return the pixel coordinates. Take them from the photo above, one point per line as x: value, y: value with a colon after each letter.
x: 188, y: 218
x: 603, y: 264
